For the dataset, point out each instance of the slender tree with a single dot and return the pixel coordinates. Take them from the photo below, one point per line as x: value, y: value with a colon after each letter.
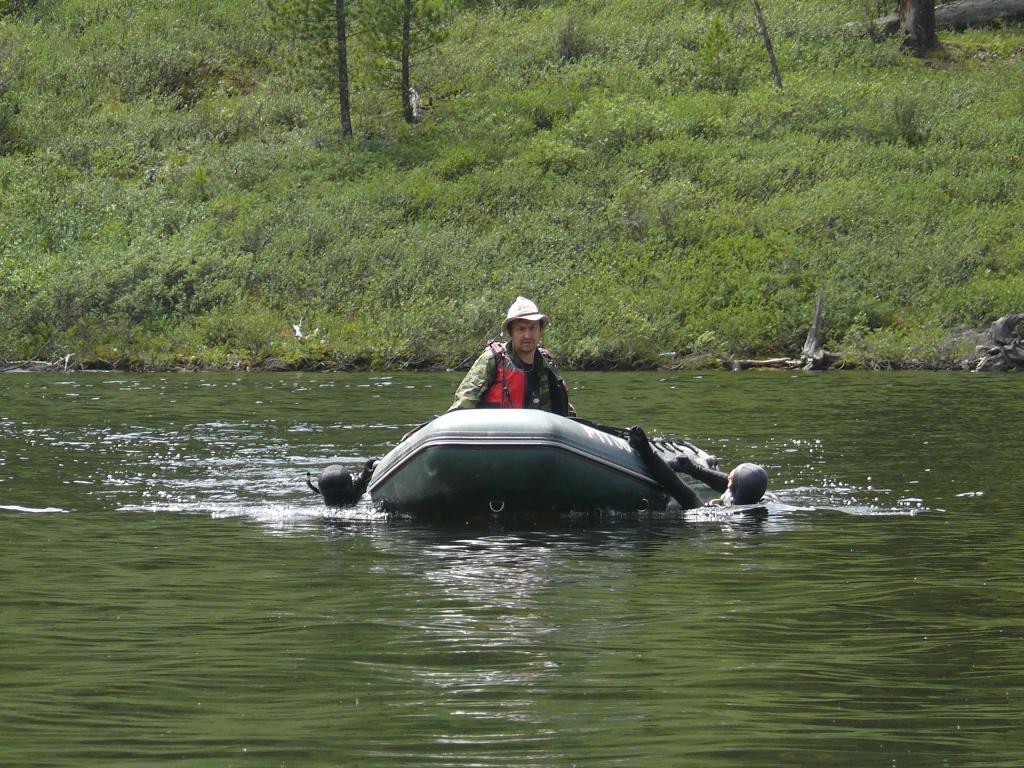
x: 343, y: 87
x: 405, y: 85
x: 399, y: 30
x: 322, y: 27
x: 763, y: 25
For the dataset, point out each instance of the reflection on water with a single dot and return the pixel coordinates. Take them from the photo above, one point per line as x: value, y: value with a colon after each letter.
x: 869, y: 617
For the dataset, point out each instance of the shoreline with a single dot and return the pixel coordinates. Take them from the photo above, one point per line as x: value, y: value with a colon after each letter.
x: 63, y: 365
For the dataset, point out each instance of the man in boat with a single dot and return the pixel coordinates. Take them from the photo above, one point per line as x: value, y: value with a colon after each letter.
x: 518, y: 373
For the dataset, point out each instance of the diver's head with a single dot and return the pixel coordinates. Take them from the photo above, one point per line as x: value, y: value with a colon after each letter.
x: 747, y: 483
x: 337, y: 487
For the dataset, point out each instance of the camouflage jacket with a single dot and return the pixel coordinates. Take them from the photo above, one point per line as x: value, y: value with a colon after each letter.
x: 484, y: 373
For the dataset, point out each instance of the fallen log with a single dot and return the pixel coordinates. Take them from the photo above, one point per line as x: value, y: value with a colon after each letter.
x: 1006, y: 352
x: 63, y: 364
x: 34, y: 366
x: 771, y: 362
x: 972, y: 13
x: 956, y: 16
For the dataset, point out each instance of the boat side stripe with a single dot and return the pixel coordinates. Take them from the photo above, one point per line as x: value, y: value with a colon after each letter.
x: 450, y: 441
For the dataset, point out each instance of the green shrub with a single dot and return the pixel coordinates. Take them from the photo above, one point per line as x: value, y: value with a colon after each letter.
x: 607, y: 126
x: 554, y: 156
x: 719, y: 70
x: 574, y: 40
x: 16, y: 7
x: 8, y: 131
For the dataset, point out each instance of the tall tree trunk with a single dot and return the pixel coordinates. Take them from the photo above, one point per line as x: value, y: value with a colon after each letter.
x: 343, y: 96
x: 768, y: 44
x: 917, y: 24
x: 406, y: 46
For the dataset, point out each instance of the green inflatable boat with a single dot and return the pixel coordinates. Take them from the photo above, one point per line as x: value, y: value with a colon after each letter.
x: 509, y: 462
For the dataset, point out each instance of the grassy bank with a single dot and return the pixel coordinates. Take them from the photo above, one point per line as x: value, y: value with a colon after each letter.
x: 175, y: 193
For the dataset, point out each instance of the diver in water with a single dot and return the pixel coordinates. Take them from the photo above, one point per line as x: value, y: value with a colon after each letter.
x: 746, y: 484
x: 341, y: 488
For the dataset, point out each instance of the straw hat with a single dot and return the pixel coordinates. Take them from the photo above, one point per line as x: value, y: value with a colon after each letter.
x: 524, y: 309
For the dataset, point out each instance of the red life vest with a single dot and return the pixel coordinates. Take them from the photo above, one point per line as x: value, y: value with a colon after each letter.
x: 509, y: 387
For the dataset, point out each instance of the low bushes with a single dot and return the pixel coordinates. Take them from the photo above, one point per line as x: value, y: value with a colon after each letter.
x: 174, y: 193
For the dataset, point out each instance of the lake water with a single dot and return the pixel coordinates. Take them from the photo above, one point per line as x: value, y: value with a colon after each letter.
x: 172, y: 593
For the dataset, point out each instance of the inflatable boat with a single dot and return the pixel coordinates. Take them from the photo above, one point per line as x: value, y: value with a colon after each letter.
x: 509, y: 462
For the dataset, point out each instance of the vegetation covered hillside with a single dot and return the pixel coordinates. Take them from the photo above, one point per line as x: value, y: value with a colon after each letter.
x: 175, y: 190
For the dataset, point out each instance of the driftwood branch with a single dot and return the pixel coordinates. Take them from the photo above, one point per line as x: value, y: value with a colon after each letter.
x: 956, y: 15
x: 1006, y: 352
x: 64, y: 364
x: 813, y: 356
x: 771, y: 362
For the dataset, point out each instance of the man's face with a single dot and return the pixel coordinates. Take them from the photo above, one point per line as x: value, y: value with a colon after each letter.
x: 525, y: 337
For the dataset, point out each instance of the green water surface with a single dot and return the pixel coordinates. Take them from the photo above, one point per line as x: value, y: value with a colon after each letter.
x: 172, y: 594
